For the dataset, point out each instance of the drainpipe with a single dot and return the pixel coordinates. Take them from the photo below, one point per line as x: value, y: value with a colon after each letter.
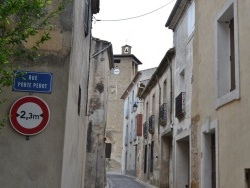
x: 97, y: 53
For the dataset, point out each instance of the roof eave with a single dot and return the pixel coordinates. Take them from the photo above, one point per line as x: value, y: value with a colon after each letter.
x: 176, y: 13
x: 158, y: 73
x: 137, y: 61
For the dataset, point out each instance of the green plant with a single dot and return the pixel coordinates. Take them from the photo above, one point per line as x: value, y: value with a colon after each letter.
x: 19, y: 20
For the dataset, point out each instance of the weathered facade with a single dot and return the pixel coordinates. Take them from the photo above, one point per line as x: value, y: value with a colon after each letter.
x: 132, y: 126
x: 100, y: 67
x: 182, y: 22
x: 126, y: 67
x: 56, y: 156
x: 157, y: 142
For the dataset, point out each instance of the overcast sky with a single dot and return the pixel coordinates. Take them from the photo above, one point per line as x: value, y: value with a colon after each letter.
x: 147, y: 35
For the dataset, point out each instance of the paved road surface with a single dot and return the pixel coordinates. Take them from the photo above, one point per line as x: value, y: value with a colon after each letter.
x: 121, y: 181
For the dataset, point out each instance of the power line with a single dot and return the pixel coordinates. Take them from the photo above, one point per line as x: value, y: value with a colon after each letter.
x: 123, y: 19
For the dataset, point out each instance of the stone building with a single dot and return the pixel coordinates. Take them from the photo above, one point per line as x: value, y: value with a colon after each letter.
x: 132, y: 126
x: 182, y: 22
x: 125, y: 68
x: 56, y: 156
x: 101, y: 63
x: 157, y: 96
x: 220, y: 102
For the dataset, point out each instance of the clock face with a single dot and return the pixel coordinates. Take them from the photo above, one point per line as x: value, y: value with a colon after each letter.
x: 116, y: 71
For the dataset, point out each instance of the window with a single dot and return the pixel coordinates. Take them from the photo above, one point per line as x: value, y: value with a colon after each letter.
x: 117, y: 61
x: 191, y: 18
x: 134, y: 130
x: 153, y: 105
x: 131, y: 132
x: 227, y: 54
x: 126, y: 137
x: 139, y: 124
x: 152, y: 157
x: 108, y: 150
x: 132, y: 101
x: 165, y: 91
x: 79, y: 100
x: 86, y: 18
x: 127, y: 109
x: 145, y: 159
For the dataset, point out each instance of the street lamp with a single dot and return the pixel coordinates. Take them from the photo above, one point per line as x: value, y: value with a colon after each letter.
x: 135, y: 106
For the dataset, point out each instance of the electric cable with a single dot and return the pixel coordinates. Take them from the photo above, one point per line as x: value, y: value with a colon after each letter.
x: 123, y: 19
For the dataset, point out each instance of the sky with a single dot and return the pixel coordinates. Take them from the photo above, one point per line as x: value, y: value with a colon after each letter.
x: 147, y: 35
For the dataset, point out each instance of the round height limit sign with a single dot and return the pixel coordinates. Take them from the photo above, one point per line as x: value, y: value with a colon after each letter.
x: 29, y: 115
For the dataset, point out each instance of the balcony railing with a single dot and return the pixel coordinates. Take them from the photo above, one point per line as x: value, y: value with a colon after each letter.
x: 151, y: 127
x: 180, y: 105
x: 145, y: 130
x: 163, y: 114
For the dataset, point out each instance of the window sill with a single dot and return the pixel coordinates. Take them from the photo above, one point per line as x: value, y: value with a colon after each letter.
x: 234, y: 95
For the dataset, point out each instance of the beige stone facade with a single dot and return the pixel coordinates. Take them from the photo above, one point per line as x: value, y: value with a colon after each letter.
x: 220, y: 93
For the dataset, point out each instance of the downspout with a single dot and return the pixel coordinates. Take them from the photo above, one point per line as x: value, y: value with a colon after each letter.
x: 97, y: 53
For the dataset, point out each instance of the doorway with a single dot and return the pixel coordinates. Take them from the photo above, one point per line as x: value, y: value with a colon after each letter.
x: 182, y: 163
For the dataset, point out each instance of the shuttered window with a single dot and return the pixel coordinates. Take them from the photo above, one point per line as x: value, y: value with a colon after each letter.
x: 86, y: 18
x: 232, y: 54
x: 139, y: 124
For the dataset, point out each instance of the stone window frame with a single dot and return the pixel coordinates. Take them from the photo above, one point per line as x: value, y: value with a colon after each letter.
x: 224, y: 94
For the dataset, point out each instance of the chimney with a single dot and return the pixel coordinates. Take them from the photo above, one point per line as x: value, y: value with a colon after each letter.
x: 126, y: 49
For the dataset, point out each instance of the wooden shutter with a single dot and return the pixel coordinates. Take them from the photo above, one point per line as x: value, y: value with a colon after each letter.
x: 232, y: 54
x: 139, y: 124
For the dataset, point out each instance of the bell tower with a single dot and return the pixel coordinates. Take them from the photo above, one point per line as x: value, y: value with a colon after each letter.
x: 126, y: 49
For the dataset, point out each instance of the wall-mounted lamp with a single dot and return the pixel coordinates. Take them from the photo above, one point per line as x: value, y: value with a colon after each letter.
x: 135, y: 106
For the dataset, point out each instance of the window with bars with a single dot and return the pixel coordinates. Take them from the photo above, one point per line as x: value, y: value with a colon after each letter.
x: 163, y: 114
x: 180, y: 105
x: 145, y: 130
x: 151, y: 126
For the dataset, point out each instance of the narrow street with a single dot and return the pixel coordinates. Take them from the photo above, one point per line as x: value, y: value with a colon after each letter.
x: 122, y: 181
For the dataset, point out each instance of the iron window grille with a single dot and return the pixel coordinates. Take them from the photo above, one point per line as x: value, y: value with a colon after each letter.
x: 163, y: 114
x: 180, y: 105
x: 145, y: 130
x: 151, y: 127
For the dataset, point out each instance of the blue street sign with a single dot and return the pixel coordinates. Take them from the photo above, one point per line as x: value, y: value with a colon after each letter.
x: 34, y: 82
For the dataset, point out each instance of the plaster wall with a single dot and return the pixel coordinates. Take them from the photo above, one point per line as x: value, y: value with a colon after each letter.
x: 75, y: 127
x: 183, y: 80
x: 36, y: 161
x: 232, y: 117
